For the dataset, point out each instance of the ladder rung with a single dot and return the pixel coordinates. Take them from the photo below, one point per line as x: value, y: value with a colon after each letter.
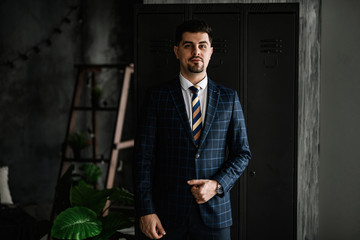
x: 123, y: 145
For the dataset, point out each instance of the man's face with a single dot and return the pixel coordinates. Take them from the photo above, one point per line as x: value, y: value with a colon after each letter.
x: 194, y: 52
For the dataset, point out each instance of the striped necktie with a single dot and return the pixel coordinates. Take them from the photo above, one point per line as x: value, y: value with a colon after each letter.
x: 196, y: 114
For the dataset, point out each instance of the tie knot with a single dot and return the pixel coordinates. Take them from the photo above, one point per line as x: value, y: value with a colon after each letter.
x: 195, y: 89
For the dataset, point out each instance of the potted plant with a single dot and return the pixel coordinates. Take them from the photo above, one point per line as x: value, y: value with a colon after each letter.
x: 86, y: 217
x: 96, y: 94
x: 77, y: 141
x: 90, y: 173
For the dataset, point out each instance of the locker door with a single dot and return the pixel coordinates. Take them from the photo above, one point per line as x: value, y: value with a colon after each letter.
x: 271, y: 58
x: 225, y: 22
x: 155, y: 32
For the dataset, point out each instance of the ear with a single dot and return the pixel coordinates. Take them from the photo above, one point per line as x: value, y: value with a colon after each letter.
x: 176, y: 51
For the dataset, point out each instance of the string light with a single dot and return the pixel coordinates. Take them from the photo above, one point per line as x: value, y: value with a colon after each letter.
x: 25, y: 56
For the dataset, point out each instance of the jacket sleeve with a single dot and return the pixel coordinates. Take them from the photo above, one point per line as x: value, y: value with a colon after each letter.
x: 239, y: 151
x: 144, y: 153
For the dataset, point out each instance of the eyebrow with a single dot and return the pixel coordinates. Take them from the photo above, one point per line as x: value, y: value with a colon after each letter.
x: 201, y: 42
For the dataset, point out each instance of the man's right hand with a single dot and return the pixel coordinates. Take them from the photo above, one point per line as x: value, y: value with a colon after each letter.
x: 151, y: 226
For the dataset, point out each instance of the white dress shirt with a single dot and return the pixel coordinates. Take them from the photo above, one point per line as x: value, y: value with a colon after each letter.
x: 187, y: 94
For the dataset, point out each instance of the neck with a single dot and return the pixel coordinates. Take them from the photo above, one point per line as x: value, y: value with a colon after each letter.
x: 194, y: 78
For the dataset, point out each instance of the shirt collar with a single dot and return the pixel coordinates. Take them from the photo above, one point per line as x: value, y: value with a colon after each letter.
x: 185, y: 84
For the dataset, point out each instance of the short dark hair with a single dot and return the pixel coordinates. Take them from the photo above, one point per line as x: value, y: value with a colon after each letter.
x: 193, y: 26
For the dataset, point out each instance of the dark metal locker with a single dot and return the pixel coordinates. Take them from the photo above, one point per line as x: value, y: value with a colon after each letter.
x: 271, y: 88
x: 225, y: 61
x: 155, y: 61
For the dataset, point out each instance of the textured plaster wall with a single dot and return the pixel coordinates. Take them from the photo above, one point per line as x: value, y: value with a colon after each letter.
x: 340, y: 118
x: 35, y: 95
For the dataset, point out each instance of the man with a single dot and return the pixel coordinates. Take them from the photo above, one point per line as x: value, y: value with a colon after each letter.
x: 182, y: 173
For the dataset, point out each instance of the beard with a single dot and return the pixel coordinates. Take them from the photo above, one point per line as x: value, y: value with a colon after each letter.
x: 196, y: 68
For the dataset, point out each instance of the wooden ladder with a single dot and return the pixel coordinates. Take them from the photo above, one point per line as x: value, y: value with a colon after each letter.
x: 117, y: 144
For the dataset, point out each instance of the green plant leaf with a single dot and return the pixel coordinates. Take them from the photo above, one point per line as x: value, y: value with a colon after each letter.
x: 77, y: 140
x: 76, y: 223
x: 120, y: 194
x: 91, y: 173
x: 85, y: 195
x: 111, y: 223
x: 117, y: 221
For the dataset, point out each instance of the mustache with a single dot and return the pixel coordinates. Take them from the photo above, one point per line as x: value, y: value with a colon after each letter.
x: 196, y: 57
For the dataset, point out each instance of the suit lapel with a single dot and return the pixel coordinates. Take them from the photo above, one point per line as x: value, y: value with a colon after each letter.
x: 213, y: 99
x: 177, y: 96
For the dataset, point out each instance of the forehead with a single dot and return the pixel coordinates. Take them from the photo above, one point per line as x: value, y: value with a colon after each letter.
x: 195, y: 37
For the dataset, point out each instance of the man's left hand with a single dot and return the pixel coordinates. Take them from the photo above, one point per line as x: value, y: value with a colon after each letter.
x: 203, y: 189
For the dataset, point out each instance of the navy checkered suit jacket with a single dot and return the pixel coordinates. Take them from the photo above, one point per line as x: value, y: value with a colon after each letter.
x: 166, y: 155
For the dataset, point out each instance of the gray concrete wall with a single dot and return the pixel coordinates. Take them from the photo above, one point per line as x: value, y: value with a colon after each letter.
x: 340, y: 121
x: 35, y: 95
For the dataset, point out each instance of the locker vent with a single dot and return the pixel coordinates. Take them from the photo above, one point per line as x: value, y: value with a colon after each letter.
x: 203, y: 7
x: 220, y: 46
x: 259, y: 7
x: 271, y: 46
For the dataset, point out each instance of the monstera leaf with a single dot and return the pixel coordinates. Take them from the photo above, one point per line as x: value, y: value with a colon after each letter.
x: 113, y: 222
x: 120, y: 194
x: 117, y: 220
x: 86, y: 196
x: 87, y: 218
x: 76, y: 223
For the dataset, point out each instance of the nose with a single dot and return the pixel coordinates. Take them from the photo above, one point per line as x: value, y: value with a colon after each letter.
x: 196, y: 51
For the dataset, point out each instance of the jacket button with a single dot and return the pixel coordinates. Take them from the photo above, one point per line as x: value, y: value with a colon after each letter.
x: 197, y: 155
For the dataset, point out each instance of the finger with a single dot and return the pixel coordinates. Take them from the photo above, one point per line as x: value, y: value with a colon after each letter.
x: 153, y: 234
x: 149, y: 230
x: 195, y: 192
x: 156, y: 235
x: 160, y: 229
x: 197, y: 196
x: 199, y: 201
x: 157, y: 231
x: 195, y: 182
x: 195, y: 188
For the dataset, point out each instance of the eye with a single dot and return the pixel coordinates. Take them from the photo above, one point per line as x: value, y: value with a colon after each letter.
x: 186, y: 45
x: 202, y: 46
